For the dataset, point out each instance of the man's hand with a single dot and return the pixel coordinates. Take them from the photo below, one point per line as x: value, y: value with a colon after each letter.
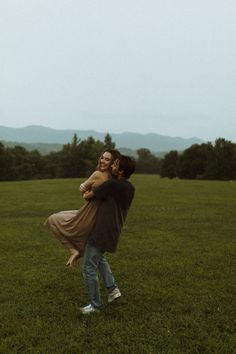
x: 115, y: 167
x: 117, y: 162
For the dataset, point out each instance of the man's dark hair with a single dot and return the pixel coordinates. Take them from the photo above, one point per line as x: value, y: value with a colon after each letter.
x: 127, y: 164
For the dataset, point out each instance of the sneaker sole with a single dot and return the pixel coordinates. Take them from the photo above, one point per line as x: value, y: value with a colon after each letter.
x: 116, y: 297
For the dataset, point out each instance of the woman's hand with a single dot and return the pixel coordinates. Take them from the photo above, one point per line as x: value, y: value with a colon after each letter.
x: 88, y: 195
x: 82, y: 188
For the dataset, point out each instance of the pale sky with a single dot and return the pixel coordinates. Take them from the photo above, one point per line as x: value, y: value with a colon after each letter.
x: 160, y: 66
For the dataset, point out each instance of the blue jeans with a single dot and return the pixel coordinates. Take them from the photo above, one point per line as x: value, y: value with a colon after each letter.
x: 94, y: 260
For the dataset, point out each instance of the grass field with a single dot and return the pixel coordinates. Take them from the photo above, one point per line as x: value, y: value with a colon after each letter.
x: 175, y: 267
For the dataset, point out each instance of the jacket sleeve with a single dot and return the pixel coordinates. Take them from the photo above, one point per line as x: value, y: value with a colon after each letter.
x: 103, y: 191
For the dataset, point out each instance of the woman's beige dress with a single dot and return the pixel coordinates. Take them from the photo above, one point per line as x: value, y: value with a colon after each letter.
x: 72, y: 227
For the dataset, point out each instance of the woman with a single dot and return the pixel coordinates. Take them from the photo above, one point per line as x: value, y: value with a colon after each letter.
x: 73, y: 227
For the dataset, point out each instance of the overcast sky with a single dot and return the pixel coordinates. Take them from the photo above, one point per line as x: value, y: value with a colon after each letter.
x: 162, y: 66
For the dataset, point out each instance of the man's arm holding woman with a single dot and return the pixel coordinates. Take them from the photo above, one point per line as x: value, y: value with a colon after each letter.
x: 100, y: 192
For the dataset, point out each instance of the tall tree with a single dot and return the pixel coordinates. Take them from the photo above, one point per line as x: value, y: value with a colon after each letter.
x: 108, y: 143
x: 225, y: 159
x: 147, y: 162
x: 3, y: 162
x: 192, y: 162
x: 169, y: 164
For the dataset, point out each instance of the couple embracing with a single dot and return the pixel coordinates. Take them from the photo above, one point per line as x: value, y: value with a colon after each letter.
x: 95, y: 229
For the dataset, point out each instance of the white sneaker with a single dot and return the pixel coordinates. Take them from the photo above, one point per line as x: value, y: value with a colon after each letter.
x: 115, y: 294
x: 86, y: 310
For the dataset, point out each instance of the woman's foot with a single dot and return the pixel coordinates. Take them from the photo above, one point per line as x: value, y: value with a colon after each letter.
x: 72, y: 261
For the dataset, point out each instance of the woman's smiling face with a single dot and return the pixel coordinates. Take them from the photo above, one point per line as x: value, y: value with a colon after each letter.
x: 105, y: 161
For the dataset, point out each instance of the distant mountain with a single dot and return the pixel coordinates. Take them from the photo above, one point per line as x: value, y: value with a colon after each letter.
x: 38, y: 134
x: 43, y: 148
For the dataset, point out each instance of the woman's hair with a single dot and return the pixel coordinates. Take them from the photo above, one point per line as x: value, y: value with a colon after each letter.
x: 114, y: 153
x: 127, y: 165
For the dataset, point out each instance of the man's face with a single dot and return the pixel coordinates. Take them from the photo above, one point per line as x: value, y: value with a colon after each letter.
x: 115, y: 168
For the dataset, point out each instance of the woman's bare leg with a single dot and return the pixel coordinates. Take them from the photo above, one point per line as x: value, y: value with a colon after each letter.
x: 74, y: 255
x: 74, y: 252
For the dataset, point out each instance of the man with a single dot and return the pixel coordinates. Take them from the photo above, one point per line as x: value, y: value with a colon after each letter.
x: 116, y: 196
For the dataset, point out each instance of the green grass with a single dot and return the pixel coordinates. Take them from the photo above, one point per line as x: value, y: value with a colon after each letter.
x: 175, y: 267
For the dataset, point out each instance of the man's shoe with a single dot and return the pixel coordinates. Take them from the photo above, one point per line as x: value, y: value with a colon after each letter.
x: 115, y: 294
x: 86, y: 310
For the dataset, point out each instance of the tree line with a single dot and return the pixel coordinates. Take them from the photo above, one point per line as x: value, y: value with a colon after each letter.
x: 79, y: 158
x: 202, y: 161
